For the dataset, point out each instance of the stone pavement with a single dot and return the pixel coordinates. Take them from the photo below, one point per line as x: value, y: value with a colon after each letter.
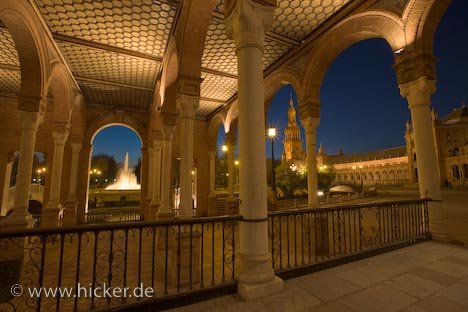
x: 430, y: 276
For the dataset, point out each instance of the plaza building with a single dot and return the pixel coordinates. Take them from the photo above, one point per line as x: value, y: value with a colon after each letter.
x: 398, y: 165
x: 292, y: 142
x: 174, y: 71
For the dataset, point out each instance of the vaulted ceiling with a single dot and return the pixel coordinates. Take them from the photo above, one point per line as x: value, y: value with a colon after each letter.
x: 114, y: 48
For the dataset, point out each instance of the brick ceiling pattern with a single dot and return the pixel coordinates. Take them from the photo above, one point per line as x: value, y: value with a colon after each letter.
x: 10, y: 81
x: 108, y: 75
x: 298, y: 18
x: 141, y: 26
x: 207, y: 107
x: 110, y: 66
x: 8, y: 53
x: 116, y: 96
x: 217, y: 87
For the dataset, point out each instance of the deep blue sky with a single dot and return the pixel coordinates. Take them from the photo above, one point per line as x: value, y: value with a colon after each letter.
x: 361, y: 107
x: 116, y: 141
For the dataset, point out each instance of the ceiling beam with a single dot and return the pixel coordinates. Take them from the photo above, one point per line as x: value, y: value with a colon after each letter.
x: 10, y: 67
x: 100, y: 46
x: 219, y: 17
x: 212, y: 100
x: 111, y: 83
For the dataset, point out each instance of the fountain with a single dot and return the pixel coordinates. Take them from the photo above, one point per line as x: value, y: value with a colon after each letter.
x: 126, y: 179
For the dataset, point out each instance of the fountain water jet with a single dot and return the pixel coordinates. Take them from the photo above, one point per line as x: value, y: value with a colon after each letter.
x: 126, y: 179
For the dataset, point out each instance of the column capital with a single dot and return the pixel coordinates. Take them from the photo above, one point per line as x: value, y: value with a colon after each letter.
x: 308, y: 108
x: 59, y: 137
x: 248, y: 20
x: 187, y: 105
x: 212, y: 153
x: 168, y: 132
x: 157, y: 144
x: 76, y: 146
x: 310, y: 124
x: 418, y: 92
x: 30, y: 120
x: 412, y: 65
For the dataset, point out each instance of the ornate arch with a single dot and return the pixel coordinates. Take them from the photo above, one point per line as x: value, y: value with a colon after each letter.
x: 26, y: 31
x: 421, y: 18
x: 62, y: 90
x: 277, y: 80
x: 115, y: 119
x: 212, y: 130
x: 356, y: 28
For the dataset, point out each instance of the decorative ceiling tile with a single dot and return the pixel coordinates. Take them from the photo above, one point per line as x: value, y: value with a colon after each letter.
x: 206, y: 108
x: 8, y: 53
x: 116, y: 96
x: 296, y: 19
x: 218, y: 87
x: 10, y: 80
x: 139, y: 25
x: 273, y: 51
x: 219, y: 53
x: 109, y: 66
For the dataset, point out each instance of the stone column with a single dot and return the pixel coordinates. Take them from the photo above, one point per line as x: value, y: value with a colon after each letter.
x: 70, y: 213
x: 418, y: 94
x: 165, y: 210
x: 231, y: 144
x: 156, y: 197
x: 6, y: 168
x: 50, y: 215
x: 310, y: 125
x: 20, y: 217
x: 246, y: 22
x: 212, y: 197
x: 212, y: 155
x: 149, y: 192
x: 187, y: 106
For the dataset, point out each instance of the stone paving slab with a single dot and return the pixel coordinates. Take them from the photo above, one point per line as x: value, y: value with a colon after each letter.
x: 427, y: 277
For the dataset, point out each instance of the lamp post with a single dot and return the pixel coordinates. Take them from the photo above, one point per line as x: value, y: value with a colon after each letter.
x: 360, y: 173
x: 225, y: 149
x: 272, y: 135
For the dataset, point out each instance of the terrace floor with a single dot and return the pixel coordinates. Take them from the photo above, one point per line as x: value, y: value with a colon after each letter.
x: 430, y: 276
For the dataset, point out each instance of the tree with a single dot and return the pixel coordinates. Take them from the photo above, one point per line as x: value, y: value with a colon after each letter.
x: 325, y: 178
x: 108, y: 168
x: 137, y: 170
x: 289, y: 179
x: 221, y: 169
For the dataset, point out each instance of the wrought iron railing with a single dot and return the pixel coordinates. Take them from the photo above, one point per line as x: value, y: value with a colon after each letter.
x: 302, y: 237
x: 163, y: 258
x: 110, y: 216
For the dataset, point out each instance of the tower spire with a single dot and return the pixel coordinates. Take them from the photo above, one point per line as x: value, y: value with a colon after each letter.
x: 291, y: 103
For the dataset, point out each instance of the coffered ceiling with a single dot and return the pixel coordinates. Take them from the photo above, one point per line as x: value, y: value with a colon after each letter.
x: 115, y: 47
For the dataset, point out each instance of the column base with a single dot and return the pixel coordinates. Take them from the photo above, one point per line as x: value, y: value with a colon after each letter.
x: 250, y: 292
x: 51, y: 216
x: 232, y: 207
x: 14, y: 222
x: 439, y: 231
x: 165, y: 216
x: 153, y: 211
x: 212, y: 206
x: 69, y: 214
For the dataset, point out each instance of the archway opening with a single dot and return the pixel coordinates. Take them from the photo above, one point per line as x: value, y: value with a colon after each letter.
x: 362, y: 116
x: 114, y: 173
x: 285, y: 147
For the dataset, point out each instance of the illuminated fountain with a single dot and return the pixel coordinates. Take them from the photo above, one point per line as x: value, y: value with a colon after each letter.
x: 126, y: 179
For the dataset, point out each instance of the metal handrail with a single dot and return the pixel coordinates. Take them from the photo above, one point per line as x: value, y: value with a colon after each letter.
x: 355, y: 206
x: 116, y: 226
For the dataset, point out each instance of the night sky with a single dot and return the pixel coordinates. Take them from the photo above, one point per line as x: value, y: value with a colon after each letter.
x: 361, y: 106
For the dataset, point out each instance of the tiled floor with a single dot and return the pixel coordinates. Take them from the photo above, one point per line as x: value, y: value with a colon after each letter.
x: 426, y: 277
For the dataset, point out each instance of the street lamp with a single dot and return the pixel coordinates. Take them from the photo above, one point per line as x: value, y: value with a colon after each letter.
x: 272, y: 135
x: 224, y: 148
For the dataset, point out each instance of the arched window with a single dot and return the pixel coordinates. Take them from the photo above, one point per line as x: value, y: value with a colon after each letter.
x: 449, y: 137
x: 465, y: 171
x: 455, y: 172
x: 456, y: 151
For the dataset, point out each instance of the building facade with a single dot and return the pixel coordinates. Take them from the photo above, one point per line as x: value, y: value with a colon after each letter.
x: 398, y: 165
x: 292, y: 143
